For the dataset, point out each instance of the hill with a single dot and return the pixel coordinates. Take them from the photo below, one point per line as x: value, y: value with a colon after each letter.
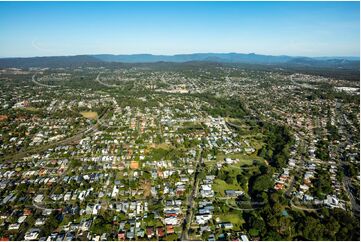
x: 338, y: 67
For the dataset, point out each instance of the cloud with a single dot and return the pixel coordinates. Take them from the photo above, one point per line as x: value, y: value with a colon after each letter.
x: 38, y: 46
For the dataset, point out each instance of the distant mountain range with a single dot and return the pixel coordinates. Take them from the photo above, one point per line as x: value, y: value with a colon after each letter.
x: 211, y: 57
x: 215, y: 57
x: 284, y: 60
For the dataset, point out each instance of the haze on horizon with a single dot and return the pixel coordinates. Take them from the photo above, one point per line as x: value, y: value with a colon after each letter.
x: 271, y: 28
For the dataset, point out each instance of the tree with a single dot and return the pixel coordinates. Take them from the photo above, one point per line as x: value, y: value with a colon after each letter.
x: 229, y: 180
x: 262, y: 183
x: 313, y: 229
x: 331, y: 228
x: 171, y: 237
x: 241, y: 180
x: 206, y: 235
x: 272, y: 235
x: 253, y: 232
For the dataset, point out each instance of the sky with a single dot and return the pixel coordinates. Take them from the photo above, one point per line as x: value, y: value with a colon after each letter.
x: 272, y: 28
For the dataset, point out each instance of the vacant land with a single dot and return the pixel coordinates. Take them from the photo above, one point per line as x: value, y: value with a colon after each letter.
x: 89, y: 115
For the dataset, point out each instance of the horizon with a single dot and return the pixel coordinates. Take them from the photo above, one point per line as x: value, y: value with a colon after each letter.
x: 176, y: 54
x: 304, y: 29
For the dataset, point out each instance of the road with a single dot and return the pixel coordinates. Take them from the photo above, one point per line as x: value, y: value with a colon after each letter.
x: 303, y: 208
x: 40, y: 84
x: 249, y: 203
x: 355, y: 206
x: 190, y: 207
x: 346, y: 181
x: 102, y: 83
x: 303, y: 85
x: 292, y: 183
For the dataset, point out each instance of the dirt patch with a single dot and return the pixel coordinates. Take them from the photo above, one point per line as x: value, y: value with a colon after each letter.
x: 3, y: 117
x: 159, y: 146
x: 89, y: 115
x: 146, y: 186
x: 134, y: 165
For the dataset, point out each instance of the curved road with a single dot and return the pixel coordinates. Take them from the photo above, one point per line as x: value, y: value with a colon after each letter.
x: 104, y: 84
x: 303, y: 208
x: 40, y: 84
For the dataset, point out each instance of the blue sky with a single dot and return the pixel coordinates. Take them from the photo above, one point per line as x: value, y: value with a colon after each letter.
x: 275, y: 28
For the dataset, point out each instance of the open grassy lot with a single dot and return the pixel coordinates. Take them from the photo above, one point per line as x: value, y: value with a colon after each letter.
x: 235, y: 176
x: 163, y: 146
x: 30, y: 109
x: 219, y: 186
x: 192, y: 125
x: 235, y: 217
x: 244, y: 159
x: 255, y: 141
x: 89, y: 115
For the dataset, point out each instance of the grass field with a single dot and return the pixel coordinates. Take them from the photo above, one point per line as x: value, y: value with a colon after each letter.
x: 234, y: 217
x: 163, y: 146
x: 219, y: 186
x: 256, y: 143
x: 89, y: 115
x: 31, y: 109
x: 194, y: 125
x: 244, y: 166
x: 243, y: 158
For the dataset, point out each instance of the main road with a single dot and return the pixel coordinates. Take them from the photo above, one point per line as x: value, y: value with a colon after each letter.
x: 354, y: 205
x: 190, y: 207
